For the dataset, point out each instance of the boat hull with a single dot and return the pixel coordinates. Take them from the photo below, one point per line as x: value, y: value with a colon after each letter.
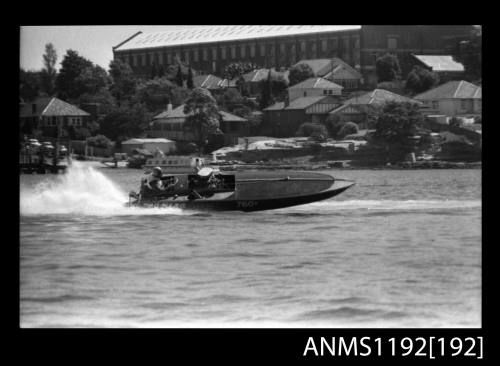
x: 257, y: 193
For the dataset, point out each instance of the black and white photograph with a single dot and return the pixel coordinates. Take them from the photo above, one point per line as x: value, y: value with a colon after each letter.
x: 250, y: 176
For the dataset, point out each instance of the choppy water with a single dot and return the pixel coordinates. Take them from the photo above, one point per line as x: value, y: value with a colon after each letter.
x: 399, y: 249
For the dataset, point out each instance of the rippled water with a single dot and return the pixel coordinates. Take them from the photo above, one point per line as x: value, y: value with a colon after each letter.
x: 399, y: 249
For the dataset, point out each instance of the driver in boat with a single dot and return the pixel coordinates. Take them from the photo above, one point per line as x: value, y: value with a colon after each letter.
x: 153, y: 182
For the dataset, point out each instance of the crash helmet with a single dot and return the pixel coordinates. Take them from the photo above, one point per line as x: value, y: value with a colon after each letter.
x: 157, y: 172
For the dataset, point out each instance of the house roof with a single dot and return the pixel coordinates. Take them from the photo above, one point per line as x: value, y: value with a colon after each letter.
x: 299, y: 103
x: 179, y: 113
x: 258, y: 75
x: 207, y: 81
x: 51, y: 106
x: 327, y: 67
x: 378, y: 97
x: 440, y: 62
x: 144, y: 141
x: 316, y: 83
x: 457, y: 89
x: 221, y: 33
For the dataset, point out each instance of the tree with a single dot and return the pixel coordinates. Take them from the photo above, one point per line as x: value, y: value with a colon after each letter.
x: 123, y: 81
x: 266, y: 98
x: 91, y: 80
x: 469, y: 53
x: 126, y: 121
x: 396, y: 123
x: 347, y: 129
x: 154, y: 72
x: 99, y: 141
x: 299, y: 73
x: 316, y: 131
x: 156, y: 94
x: 189, y: 82
x: 387, y: 68
x: 49, y: 73
x: 161, y: 71
x: 421, y: 79
x: 29, y: 85
x: 236, y: 69
x: 203, y: 114
x: 179, y: 79
x: 72, y: 66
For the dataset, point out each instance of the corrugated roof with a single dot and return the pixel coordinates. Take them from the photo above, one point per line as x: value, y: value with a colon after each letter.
x: 258, y: 75
x: 441, y: 62
x: 220, y: 33
x: 316, y: 83
x: 457, y: 89
x: 179, y: 113
x: 207, y: 81
x: 327, y: 66
x: 51, y: 107
x: 378, y: 97
x: 299, y: 103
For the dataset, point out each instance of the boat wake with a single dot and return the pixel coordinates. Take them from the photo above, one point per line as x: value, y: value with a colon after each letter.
x: 388, y: 205
x: 83, y: 191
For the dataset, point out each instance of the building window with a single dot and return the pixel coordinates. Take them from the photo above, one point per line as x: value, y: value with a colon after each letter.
x: 242, y: 50
x: 305, y: 94
x: 392, y: 43
x: 464, y: 104
x: 214, y: 53
x: 196, y: 55
x: 435, y: 104
x: 302, y: 46
x: 134, y: 60
x: 325, y: 92
x: 262, y: 50
x: 205, y: 54
x: 169, y: 58
x: 233, y: 52
x: 252, y: 50
x: 143, y: 60
x: 160, y: 58
x: 323, y: 45
x: 313, y: 48
x: 186, y: 56
x: 282, y: 49
x: 223, y: 53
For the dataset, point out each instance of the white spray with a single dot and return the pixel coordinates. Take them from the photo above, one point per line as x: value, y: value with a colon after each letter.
x: 82, y: 190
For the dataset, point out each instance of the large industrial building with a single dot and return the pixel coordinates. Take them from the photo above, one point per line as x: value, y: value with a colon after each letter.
x: 208, y: 49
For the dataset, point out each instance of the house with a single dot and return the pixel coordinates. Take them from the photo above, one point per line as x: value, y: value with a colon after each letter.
x: 284, y: 118
x: 335, y: 70
x: 457, y: 98
x: 152, y: 145
x: 356, y: 109
x: 50, y: 113
x: 443, y: 65
x: 170, y: 124
x: 314, y: 87
x: 252, y: 80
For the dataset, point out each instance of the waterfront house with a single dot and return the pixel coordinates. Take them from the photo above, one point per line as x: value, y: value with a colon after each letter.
x: 51, y: 115
x: 170, y: 124
x: 457, y: 98
x: 314, y: 87
x: 356, y: 109
x: 282, y: 119
x: 209, y: 82
x: 252, y: 80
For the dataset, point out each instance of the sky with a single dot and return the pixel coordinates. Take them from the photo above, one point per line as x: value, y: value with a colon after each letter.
x: 92, y: 42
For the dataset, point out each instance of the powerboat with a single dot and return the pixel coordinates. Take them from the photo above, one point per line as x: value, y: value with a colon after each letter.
x: 210, y: 189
